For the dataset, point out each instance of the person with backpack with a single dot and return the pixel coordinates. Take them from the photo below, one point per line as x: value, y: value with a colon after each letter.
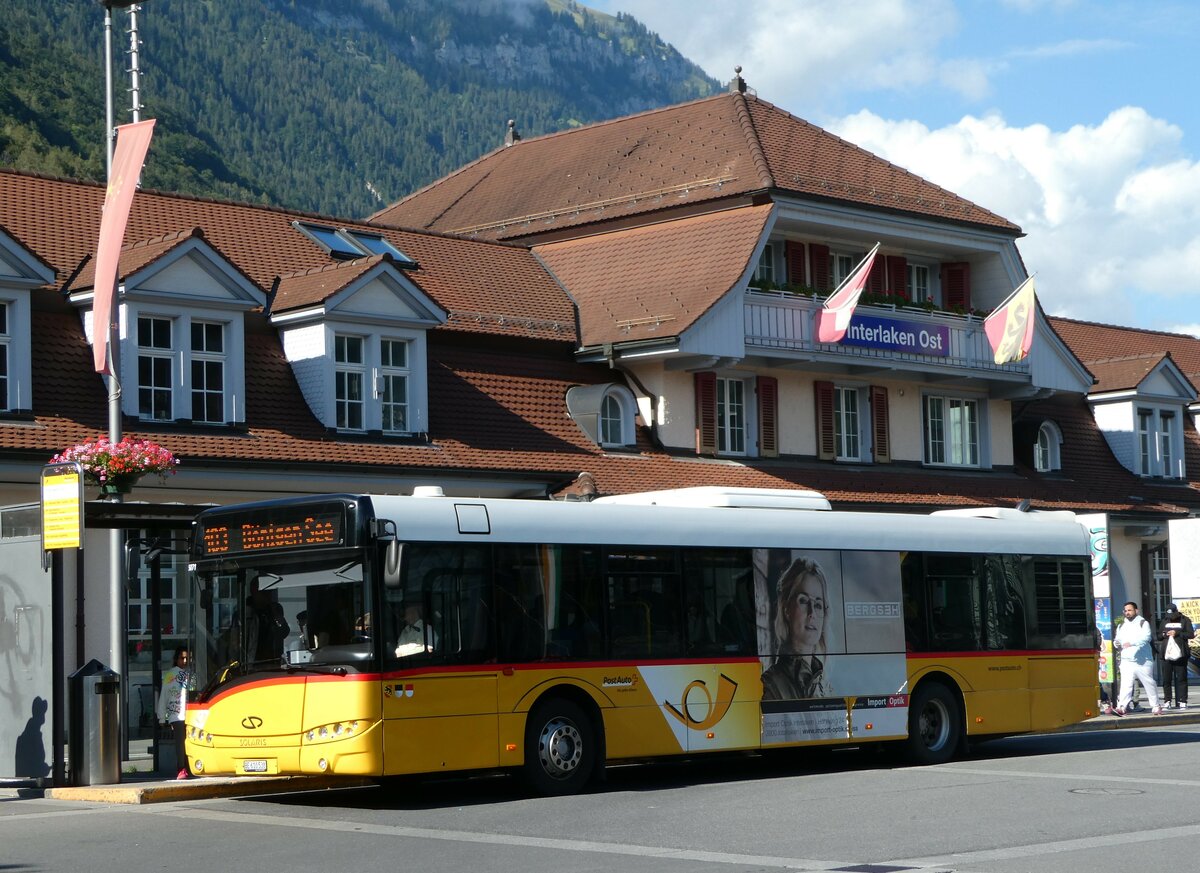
x: 1173, y: 636
x: 1132, y: 640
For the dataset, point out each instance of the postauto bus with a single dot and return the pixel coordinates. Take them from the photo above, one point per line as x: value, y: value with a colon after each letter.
x: 379, y: 635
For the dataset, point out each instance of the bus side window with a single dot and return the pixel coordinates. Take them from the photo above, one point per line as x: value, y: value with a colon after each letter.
x: 719, y: 586
x: 521, y: 605
x: 916, y: 614
x: 952, y: 586
x: 1004, y: 602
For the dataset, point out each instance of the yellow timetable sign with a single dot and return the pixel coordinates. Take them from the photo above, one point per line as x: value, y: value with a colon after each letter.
x: 62, y: 506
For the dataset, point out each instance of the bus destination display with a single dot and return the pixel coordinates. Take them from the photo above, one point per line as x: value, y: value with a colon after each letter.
x: 320, y: 528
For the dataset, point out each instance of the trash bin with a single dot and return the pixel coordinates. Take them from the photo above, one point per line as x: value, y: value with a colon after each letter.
x: 94, y: 728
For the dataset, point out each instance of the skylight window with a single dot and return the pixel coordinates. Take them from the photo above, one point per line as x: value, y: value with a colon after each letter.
x: 345, y: 244
x: 377, y: 245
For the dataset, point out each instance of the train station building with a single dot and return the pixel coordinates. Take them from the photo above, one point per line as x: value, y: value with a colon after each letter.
x: 627, y: 306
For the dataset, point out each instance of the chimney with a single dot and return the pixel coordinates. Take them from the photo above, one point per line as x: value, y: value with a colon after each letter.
x: 737, y: 85
x: 511, y: 137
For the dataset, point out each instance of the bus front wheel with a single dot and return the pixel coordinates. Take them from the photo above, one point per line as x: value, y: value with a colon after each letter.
x: 934, y: 724
x: 560, y: 748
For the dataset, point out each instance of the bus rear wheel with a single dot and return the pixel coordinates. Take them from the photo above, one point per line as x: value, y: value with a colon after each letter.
x: 934, y: 724
x: 560, y: 748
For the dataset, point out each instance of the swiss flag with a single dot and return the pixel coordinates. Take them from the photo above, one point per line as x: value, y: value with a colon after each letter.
x: 834, y: 317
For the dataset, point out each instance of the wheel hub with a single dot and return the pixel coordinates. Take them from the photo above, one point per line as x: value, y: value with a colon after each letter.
x: 560, y: 748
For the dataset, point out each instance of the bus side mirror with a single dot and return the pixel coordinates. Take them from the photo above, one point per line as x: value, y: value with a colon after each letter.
x: 206, y: 598
x: 391, y: 564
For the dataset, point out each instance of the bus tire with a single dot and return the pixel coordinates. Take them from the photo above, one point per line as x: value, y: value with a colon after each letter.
x: 934, y: 724
x: 560, y: 748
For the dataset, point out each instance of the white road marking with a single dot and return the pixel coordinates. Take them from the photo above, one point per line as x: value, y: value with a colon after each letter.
x: 192, y: 812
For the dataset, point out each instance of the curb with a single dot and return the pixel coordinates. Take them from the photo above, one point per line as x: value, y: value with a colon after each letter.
x: 197, y: 788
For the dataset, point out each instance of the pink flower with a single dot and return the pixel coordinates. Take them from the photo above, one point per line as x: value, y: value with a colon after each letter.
x: 102, y: 460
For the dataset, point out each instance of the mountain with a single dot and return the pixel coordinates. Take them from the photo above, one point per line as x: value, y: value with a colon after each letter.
x: 331, y: 106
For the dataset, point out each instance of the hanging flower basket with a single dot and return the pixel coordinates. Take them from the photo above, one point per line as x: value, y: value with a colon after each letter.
x: 116, y: 467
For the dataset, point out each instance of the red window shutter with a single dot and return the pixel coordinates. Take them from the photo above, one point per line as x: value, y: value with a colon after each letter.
x: 877, y: 278
x: 818, y: 259
x: 879, y: 424
x: 794, y: 254
x: 897, y: 269
x: 826, y: 444
x: 767, y: 388
x: 706, y: 413
x: 956, y: 285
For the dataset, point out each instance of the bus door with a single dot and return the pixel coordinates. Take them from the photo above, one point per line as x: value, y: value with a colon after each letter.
x: 439, y: 685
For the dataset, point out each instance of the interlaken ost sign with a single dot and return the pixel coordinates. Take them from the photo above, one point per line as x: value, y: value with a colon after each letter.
x: 872, y: 332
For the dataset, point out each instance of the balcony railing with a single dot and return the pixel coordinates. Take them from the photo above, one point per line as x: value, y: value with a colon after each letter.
x: 779, y: 323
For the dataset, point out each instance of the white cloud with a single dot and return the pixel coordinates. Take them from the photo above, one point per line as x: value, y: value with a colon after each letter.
x: 802, y: 51
x: 1111, y: 211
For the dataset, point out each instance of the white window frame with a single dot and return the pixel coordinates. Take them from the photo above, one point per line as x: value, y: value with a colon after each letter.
x: 207, y: 356
x: 764, y: 270
x: 389, y: 373
x: 920, y: 292
x: 1047, y: 448
x: 6, y: 355
x: 18, y: 393
x: 616, y: 431
x: 156, y: 355
x: 374, y: 375
x: 842, y: 264
x: 346, y: 372
x: 233, y: 337
x: 959, y: 441
x: 733, y: 430
x: 1158, y: 446
x: 848, y: 406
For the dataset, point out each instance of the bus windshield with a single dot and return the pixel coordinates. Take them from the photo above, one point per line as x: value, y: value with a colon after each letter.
x: 281, y: 613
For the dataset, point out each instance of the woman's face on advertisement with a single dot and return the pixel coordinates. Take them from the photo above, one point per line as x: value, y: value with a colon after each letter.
x: 807, y: 614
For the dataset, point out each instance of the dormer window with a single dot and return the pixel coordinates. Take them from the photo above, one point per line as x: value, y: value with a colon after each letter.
x: 349, y: 376
x: 1159, y: 443
x: 1047, y: 451
x: 155, y: 357
x: 607, y: 413
x: 208, y: 372
x: 5, y: 343
x: 394, y: 376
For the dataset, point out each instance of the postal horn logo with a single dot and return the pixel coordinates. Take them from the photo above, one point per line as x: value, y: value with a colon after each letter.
x: 697, y: 698
x: 252, y: 722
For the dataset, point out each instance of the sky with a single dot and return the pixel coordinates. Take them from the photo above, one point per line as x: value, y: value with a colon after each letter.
x: 1076, y: 120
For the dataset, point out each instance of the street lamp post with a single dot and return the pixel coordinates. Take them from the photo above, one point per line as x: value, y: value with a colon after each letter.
x: 116, y: 545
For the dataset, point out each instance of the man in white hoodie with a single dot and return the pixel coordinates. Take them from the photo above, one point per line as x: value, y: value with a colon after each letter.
x: 1132, y: 640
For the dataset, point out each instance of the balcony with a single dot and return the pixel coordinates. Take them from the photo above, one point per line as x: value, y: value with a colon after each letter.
x: 782, y: 326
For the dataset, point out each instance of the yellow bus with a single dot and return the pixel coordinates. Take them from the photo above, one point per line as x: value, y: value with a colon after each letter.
x: 382, y: 635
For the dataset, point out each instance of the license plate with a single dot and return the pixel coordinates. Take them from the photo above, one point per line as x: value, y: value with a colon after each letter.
x: 254, y: 766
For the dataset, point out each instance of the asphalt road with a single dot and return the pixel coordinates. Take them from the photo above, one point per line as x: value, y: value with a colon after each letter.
x: 1068, y: 802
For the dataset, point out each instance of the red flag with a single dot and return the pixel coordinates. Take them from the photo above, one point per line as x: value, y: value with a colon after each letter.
x: 1009, y: 328
x: 132, y: 142
x: 834, y: 317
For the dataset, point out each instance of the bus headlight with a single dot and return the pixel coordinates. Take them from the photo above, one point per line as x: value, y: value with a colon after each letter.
x: 338, y: 730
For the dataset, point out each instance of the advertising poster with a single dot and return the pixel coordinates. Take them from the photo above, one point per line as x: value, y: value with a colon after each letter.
x: 835, y: 638
x: 1104, y: 628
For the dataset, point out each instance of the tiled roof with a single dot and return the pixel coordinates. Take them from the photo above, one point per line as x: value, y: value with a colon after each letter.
x: 725, y: 146
x: 309, y: 287
x: 1120, y: 374
x: 649, y: 282
x: 1099, y: 342
x: 486, y: 287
